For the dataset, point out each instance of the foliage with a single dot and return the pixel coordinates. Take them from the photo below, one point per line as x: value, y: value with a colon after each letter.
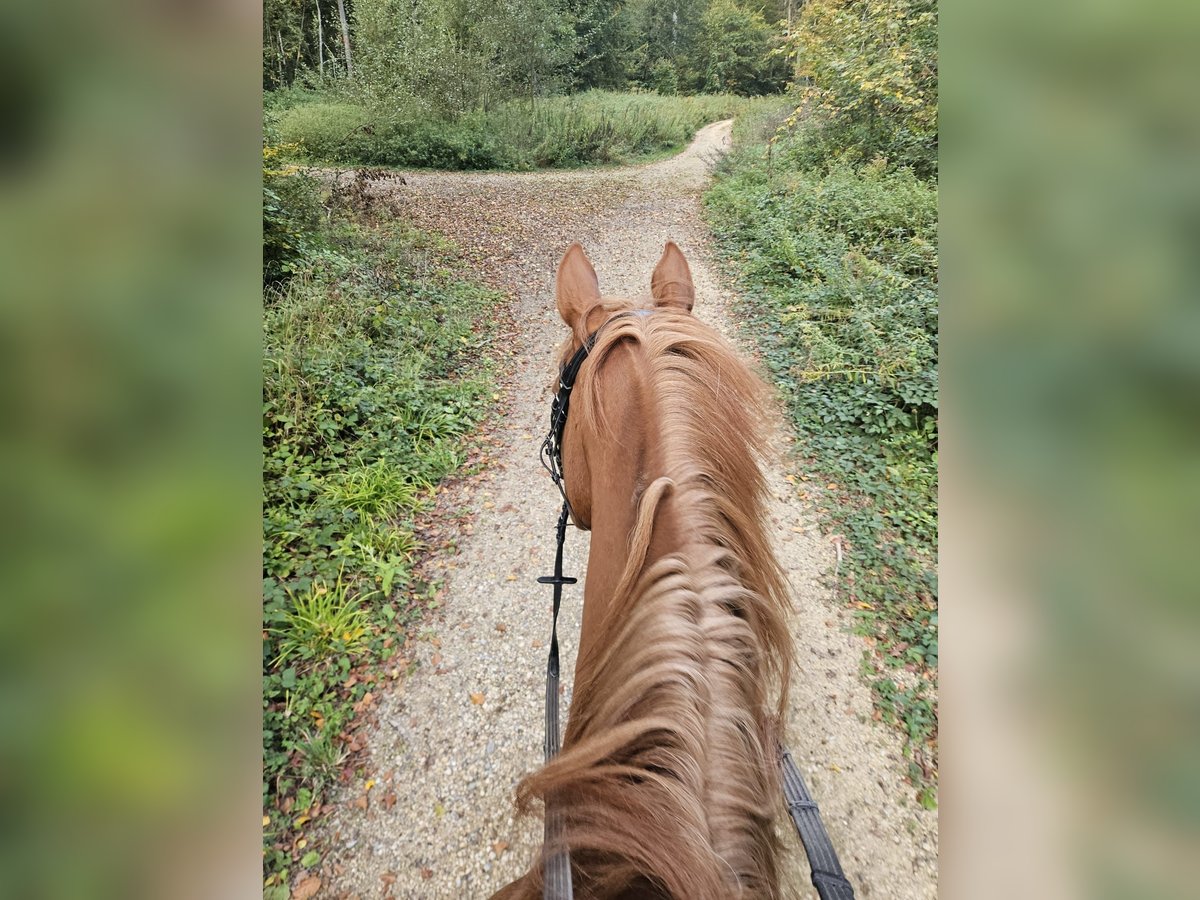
x: 291, y: 215
x: 322, y: 621
x: 874, y: 90
x: 593, y: 127
x: 372, y: 381
x: 451, y: 58
x: 734, y: 51
x: 321, y: 127
x: 838, y: 266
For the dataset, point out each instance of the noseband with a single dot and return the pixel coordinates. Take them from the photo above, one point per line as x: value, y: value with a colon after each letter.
x: 827, y: 875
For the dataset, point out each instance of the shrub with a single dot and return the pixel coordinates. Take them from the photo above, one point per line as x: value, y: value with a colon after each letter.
x: 328, y: 131
x: 291, y: 216
x: 872, y: 70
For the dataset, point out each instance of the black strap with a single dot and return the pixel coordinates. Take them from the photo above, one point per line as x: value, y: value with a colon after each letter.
x: 557, y: 884
x: 827, y: 875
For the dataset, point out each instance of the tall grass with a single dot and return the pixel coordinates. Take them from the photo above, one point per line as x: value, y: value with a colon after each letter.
x: 588, y: 128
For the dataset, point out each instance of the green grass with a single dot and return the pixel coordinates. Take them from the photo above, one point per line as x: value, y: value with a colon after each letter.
x: 321, y: 621
x: 375, y: 374
x: 596, y: 127
x: 838, y: 272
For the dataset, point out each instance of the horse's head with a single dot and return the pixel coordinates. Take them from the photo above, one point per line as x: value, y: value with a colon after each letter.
x: 586, y: 312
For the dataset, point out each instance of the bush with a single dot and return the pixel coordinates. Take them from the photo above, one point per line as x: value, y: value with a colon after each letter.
x: 328, y: 131
x: 291, y: 216
x: 872, y: 67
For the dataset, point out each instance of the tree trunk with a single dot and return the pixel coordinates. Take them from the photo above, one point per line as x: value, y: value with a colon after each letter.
x: 345, y: 36
x: 320, y: 42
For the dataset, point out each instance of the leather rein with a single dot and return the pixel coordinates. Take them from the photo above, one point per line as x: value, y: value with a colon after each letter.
x: 827, y: 875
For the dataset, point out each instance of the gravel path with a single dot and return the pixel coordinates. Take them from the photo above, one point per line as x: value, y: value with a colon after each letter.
x: 452, y: 761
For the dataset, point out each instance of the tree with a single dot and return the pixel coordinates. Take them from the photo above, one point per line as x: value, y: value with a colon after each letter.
x: 872, y: 66
x: 734, y: 51
x: 602, y: 36
x: 346, y: 36
x: 668, y: 31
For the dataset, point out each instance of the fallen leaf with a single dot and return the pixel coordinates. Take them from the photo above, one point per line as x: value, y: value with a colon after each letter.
x: 510, y: 577
x: 266, y: 821
x: 477, y: 699
x: 427, y: 874
x: 501, y: 627
x: 389, y: 800
x: 388, y: 877
x: 361, y: 802
x: 370, y: 783
x: 439, y: 810
x: 499, y: 847
x: 306, y: 888
x: 436, y: 660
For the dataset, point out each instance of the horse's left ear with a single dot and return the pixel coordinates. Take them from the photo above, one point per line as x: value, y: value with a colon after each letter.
x: 576, y: 288
x: 671, y: 283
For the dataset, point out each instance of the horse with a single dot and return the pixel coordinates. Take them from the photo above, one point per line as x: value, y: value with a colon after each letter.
x: 668, y: 782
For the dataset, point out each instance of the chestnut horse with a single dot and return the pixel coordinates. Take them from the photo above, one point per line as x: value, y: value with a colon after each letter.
x: 668, y: 782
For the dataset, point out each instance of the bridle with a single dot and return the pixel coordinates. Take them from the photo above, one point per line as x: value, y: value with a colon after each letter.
x: 827, y: 875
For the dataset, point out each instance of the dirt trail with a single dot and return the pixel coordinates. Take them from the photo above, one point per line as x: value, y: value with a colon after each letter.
x: 453, y: 763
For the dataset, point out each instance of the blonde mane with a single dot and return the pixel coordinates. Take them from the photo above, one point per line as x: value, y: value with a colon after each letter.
x: 668, y: 777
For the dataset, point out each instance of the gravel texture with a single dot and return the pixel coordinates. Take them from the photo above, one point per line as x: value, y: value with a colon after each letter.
x: 452, y: 762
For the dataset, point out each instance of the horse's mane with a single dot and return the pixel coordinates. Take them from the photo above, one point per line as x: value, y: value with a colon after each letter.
x: 668, y: 780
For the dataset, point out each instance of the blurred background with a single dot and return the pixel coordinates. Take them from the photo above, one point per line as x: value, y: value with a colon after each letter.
x: 129, y: 253
x: 129, y: 325
x: 1071, y: 469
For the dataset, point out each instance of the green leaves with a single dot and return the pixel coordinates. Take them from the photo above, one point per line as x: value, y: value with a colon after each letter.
x: 592, y: 127
x: 839, y: 282
x: 365, y: 406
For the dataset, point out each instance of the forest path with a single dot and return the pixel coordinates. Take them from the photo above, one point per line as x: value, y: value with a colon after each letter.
x: 452, y: 763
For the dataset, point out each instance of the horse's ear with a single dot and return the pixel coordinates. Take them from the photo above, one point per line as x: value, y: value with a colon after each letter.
x: 671, y: 283
x: 577, y: 287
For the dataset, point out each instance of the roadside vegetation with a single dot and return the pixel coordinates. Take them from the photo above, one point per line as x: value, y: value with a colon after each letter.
x: 374, y: 373
x: 827, y: 212
x: 561, y: 132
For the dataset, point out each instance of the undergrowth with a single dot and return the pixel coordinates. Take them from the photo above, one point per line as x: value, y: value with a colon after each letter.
x: 374, y: 375
x: 837, y: 266
x: 592, y: 127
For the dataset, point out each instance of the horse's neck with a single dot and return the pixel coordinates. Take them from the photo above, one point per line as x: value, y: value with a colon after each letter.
x: 629, y: 457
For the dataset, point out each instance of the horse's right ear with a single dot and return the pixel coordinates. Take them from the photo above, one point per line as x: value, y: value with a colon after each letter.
x: 577, y: 287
